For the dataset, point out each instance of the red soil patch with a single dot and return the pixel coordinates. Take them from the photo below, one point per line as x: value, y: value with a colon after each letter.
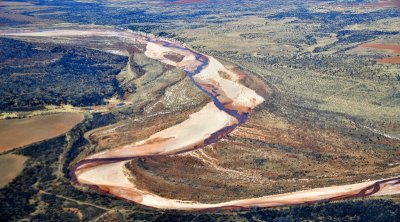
x: 180, y: 2
x: 391, y: 47
x: 377, y: 4
x: 10, y: 167
x: 21, y: 132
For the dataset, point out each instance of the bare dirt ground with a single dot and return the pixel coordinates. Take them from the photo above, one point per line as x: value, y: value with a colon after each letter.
x: 21, y: 132
x: 387, y: 47
x: 10, y: 166
x: 300, y: 157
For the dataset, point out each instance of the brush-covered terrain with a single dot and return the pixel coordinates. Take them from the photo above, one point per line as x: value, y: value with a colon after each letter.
x: 328, y: 71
